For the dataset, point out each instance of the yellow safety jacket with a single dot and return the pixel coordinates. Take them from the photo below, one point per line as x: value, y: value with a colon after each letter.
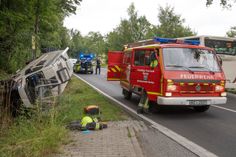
x: 88, y: 120
x: 154, y: 63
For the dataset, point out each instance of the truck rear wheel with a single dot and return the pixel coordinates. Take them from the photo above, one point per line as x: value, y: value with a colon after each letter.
x: 201, y: 108
x: 127, y: 94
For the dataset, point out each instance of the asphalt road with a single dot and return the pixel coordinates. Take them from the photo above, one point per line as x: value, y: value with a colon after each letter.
x: 214, y: 130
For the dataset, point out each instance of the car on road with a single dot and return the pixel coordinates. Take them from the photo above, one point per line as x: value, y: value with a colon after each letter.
x: 83, y: 66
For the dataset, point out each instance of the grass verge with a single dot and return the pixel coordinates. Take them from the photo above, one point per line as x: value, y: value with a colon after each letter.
x: 231, y: 90
x: 42, y: 135
x: 3, y: 75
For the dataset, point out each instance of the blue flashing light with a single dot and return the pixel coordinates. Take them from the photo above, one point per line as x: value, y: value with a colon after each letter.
x: 192, y: 42
x: 177, y: 41
x: 164, y: 40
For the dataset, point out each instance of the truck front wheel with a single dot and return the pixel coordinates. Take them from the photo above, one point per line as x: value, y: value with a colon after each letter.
x: 127, y: 94
x: 201, y: 108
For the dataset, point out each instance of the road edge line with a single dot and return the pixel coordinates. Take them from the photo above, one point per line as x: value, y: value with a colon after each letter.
x: 189, y: 145
x: 224, y: 108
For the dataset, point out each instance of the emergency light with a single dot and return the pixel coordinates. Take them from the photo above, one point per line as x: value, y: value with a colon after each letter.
x: 177, y: 41
x: 192, y: 42
x: 164, y: 40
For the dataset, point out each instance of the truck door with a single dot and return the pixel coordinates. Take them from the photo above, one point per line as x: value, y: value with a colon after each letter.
x: 115, y: 59
x: 138, y: 74
x: 154, y: 74
x: 143, y: 74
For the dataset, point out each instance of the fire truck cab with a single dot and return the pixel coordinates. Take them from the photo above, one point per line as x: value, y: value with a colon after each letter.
x: 170, y: 72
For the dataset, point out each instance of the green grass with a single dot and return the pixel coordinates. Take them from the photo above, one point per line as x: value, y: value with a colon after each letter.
x: 3, y: 75
x: 231, y: 91
x: 41, y: 135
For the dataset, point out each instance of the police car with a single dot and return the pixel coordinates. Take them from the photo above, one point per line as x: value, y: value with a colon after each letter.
x: 83, y: 66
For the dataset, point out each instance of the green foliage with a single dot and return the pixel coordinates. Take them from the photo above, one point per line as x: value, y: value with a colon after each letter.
x: 224, y: 3
x: 232, y: 32
x: 21, y: 19
x: 134, y: 29
x: 171, y: 25
x: 3, y: 75
x: 78, y: 95
x: 138, y: 28
x: 94, y: 42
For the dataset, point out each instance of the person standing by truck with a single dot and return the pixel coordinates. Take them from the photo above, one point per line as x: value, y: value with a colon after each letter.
x: 143, y: 105
x: 98, y: 65
x: 153, y: 59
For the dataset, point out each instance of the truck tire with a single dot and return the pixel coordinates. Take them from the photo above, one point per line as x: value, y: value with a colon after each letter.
x: 201, y: 108
x: 154, y: 107
x: 127, y: 94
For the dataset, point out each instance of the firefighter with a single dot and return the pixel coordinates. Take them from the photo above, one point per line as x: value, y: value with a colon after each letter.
x: 154, y: 61
x: 89, y: 123
x: 143, y: 105
x: 98, y: 65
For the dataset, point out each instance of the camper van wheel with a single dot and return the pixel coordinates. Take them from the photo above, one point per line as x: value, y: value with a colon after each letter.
x: 201, y: 108
x: 127, y: 94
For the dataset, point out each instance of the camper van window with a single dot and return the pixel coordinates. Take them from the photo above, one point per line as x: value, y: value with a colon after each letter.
x: 63, y: 75
x: 60, y: 66
x: 32, y: 82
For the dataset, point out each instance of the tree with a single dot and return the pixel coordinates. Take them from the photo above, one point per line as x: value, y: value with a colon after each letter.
x: 171, y: 24
x: 93, y: 42
x: 139, y: 26
x: 232, y: 32
x: 224, y: 3
x: 20, y: 19
x: 129, y: 30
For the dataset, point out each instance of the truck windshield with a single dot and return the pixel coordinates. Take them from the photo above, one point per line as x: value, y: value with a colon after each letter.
x: 190, y: 59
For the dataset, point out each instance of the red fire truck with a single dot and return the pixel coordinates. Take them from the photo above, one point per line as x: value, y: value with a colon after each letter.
x: 185, y: 73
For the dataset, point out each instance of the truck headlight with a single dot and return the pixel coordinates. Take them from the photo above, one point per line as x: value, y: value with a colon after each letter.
x: 171, y: 87
x: 219, y: 88
x: 223, y: 94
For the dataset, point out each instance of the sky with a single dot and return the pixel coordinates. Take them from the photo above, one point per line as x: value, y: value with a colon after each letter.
x: 105, y: 15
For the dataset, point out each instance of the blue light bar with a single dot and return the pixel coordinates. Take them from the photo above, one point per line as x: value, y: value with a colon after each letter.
x: 164, y: 40
x: 177, y: 41
x: 192, y: 42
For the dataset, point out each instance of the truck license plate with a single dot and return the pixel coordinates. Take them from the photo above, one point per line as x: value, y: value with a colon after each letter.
x: 197, y: 102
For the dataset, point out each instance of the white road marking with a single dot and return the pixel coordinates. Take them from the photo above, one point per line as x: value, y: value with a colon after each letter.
x: 191, y: 146
x: 223, y: 108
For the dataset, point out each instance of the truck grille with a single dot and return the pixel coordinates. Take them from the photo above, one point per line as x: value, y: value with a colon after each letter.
x: 196, y: 88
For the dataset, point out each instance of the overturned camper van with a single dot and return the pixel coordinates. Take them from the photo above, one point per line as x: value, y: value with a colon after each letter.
x: 50, y: 71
